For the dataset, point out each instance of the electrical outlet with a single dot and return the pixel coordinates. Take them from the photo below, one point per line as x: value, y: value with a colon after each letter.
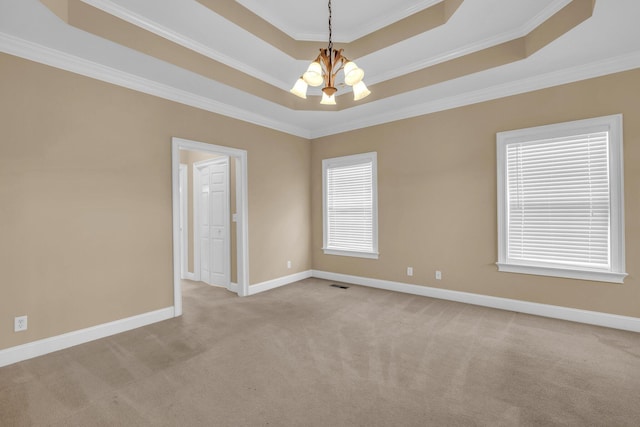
x: 288, y: 264
x: 438, y: 275
x: 409, y: 271
x: 20, y: 324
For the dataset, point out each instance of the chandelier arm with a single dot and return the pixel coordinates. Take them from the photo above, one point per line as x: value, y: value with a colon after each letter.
x: 328, y: 65
x: 339, y: 59
x: 331, y: 61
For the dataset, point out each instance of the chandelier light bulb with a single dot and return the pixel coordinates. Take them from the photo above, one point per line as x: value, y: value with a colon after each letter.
x: 360, y: 91
x: 352, y: 73
x: 300, y: 88
x: 313, y: 75
x: 328, y: 100
x: 324, y: 69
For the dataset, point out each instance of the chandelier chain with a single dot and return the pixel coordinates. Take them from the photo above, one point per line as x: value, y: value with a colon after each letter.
x: 326, y: 67
x: 330, y: 29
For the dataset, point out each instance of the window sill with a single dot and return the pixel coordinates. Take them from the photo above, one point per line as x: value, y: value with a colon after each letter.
x: 598, y: 276
x: 371, y: 255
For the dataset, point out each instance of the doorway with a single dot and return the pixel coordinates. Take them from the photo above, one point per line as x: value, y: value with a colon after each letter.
x: 238, y: 158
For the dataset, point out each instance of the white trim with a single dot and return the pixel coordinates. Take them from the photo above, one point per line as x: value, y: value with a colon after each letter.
x: 81, y: 336
x: 373, y: 25
x: 184, y: 215
x: 64, y: 61
x: 242, y: 226
x: 554, y: 78
x: 154, y: 27
x: 543, y: 16
x: 242, y: 209
x: 371, y: 255
x: 233, y: 287
x: 261, y: 9
x: 553, y: 311
x: 362, y: 30
x: 396, y: 15
x: 475, y: 46
x: 357, y: 32
x: 197, y: 273
x: 598, y: 276
x: 613, y: 126
x: 280, y: 281
x: 616, y: 178
x: 190, y: 276
x: 354, y: 159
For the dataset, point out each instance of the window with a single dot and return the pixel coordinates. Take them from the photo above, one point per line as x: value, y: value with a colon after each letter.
x: 560, y: 200
x: 350, y: 205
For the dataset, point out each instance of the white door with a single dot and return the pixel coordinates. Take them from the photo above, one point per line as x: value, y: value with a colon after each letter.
x: 213, y: 221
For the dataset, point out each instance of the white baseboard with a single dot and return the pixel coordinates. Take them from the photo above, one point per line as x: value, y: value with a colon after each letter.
x: 190, y: 276
x: 48, y: 345
x: 280, y: 281
x: 544, y: 310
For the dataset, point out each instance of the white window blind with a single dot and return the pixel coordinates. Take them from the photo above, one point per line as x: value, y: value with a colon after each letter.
x: 558, y: 191
x: 350, y: 205
x: 561, y: 200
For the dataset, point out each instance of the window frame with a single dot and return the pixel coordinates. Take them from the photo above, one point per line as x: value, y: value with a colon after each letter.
x: 613, y: 125
x: 342, y: 161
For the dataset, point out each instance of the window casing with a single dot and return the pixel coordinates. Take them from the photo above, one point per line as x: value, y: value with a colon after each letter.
x: 560, y: 200
x: 350, y: 205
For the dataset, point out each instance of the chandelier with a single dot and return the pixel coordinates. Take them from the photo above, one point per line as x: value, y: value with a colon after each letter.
x: 325, y: 68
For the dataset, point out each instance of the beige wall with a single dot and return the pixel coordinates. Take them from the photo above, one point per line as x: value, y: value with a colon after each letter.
x: 85, y: 185
x: 437, y: 195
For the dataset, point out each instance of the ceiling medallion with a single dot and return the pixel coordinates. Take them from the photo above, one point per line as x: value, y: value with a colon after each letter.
x: 324, y: 70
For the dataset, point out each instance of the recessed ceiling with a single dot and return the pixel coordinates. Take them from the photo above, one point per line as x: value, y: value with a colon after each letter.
x: 352, y: 19
x: 240, y: 58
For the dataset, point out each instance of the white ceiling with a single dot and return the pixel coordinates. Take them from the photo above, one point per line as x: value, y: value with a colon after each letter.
x: 607, y: 42
x: 352, y: 19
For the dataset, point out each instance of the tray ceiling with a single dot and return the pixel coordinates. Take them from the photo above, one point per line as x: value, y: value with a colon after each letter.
x: 240, y: 58
x: 352, y: 19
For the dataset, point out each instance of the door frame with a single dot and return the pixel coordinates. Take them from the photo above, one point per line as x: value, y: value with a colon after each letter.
x: 184, y: 218
x: 222, y: 159
x: 242, y: 212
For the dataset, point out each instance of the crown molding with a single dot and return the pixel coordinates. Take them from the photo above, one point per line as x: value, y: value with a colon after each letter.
x: 470, y: 48
x: 127, y: 15
x: 62, y: 60
x: 393, y: 17
x: 341, y: 36
x: 554, y: 78
x: 65, y: 61
x: 169, y: 34
x: 543, y: 16
x: 55, y: 58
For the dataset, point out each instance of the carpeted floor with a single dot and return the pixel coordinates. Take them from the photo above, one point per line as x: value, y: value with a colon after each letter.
x: 313, y: 355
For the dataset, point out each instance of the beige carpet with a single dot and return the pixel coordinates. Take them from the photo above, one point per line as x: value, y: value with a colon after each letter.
x: 312, y: 355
